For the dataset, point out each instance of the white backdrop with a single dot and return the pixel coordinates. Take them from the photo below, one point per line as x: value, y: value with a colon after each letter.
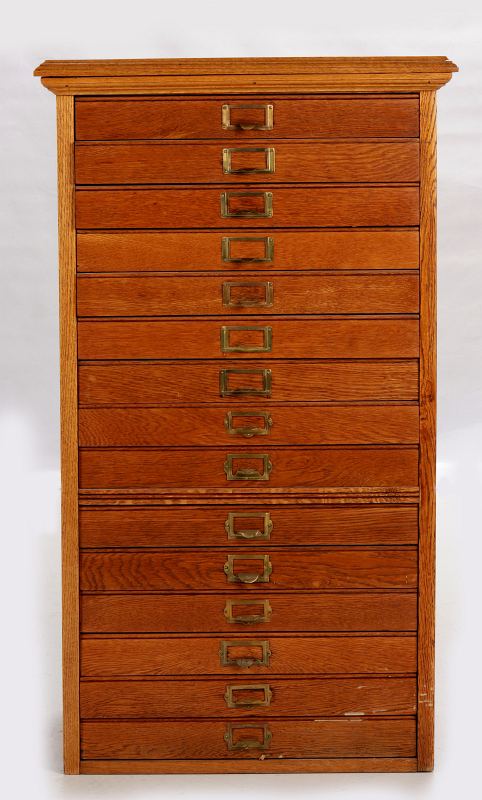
x: 30, y: 727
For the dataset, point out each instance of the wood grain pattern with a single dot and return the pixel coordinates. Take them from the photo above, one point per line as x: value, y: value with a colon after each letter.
x: 190, y: 526
x: 158, y: 699
x: 187, y: 251
x: 354, y: 610
x: 292, y: 466
x: 201, y: 570
x: 297, y: 207
x: 293, y: 293
x: 150, y: 383
x: 161, y: 118
x: 314, y: 162
x: 317, y: 337
x: 301, y: 738
x: 180, y: 426
x: 270, y: 765
x: 300, y: 655
x: 68, y: 434
x: 254, y: 84
x: 244, y: 66
x: 428, y: 355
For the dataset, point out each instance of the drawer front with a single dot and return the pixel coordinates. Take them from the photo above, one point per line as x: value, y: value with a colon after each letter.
x: 191, y: 526
x: 331, y: 611
x: 281, y: 738
x: 247, y: 569
x: 297, y: 207
x: 241, y: 656
x: 188, y: 251
x: 262, y: 161
x: 130, y: 468
x: 158, y: 118
x: 249, y: 293
x: 150, y: 383
x: 209, y: 426
x: 245, y: 698
x: 363, y: 337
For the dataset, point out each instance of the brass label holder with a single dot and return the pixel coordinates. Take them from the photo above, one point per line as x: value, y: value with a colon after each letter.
x: 252, y: 213
x: 255, y: 534
x: 247, y: 473
x: 268, y: 169
x: 225, y: 391
x: 266, y: 303
x: 266, y: 347
x: 248, y: 577
x: 249, y: 702
x: 248, y: 431
x: 246, y: 125
x: 248, y: 619
x: 245, y: 663
x: 248, y: 744
x: 268, y: 249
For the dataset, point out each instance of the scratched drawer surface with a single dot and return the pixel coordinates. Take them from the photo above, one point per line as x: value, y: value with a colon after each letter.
x: 188, y: 251
x: 249, y: 293
x: 245, y: 118
x: 218, y: 526
x: 138, y: 383
x: 291, y: 738
x: 237, y: 338
x: 261, y: 161
x: 260, y: 611
x: 277, y: 206
x: 244, y: 655
x: 157, y: 699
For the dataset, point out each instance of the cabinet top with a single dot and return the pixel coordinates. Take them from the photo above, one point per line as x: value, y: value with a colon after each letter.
x: 253, y: 75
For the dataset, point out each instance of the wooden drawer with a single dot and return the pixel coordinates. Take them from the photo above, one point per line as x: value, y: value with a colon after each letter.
x: 356, y: 610
x: 137, y: 656
x: 190, y: 526
x: 159, y: 118
x: 149, y: 383
x: 296, y: 206
x: 201, y: 570
x: 157, y: 699
x: 295, y: 738
x: 187, y: 251
x: 262, y: 161
x: 363, y: 466
x: 212, y: 425
x: 315, y: 337
x: 268, y: 293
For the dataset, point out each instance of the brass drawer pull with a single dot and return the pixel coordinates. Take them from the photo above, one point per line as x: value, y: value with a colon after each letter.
x: 268, y: 249
x: 247, y: 473
x: 247, y: 125
x: 248, y: 430
x: 247, y: 619
x: 248, y: 744
x: 225, y: 391
x: 266, y: 347
x: 248, y: 577
x: 267, y: 210
x: 268, y: 295
x: 249, y: 702
x: 245, y: 663
x: 269, y: 155
x: 263, y: 534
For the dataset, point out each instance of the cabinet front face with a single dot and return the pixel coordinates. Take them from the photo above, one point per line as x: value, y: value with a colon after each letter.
x: 248, y: 373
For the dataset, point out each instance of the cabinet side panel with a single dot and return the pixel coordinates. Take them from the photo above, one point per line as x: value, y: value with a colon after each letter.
x: 69, y: 457
x: 426, y: 622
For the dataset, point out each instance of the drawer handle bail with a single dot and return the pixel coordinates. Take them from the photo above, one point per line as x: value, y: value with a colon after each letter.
x: 257, y: 533
x: 227, y: 258
x: 247, y: 619
x: 247, y: 124
x: 269, y: 154
x: 248, y: 703
x: 248, y: 431
x: 247, y: 473
x: 248, y: 744
x: 252, y: 213
x: 248, y: 577
x: 245, y: 663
